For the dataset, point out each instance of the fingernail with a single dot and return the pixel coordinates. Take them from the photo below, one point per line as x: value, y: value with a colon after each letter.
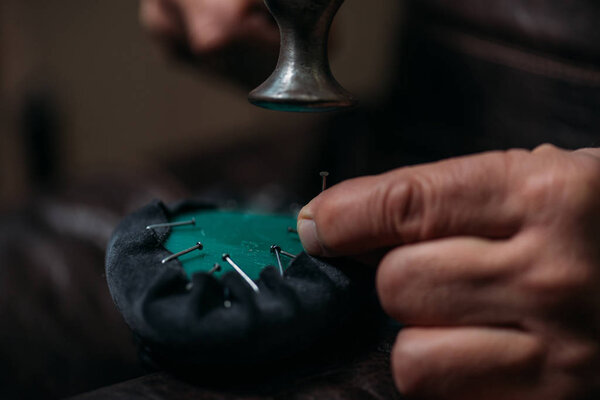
x: 307, y: 230
x: 306, y: 212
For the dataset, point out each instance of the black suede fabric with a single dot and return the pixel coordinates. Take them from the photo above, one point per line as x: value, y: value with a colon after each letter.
x: 191, y: 326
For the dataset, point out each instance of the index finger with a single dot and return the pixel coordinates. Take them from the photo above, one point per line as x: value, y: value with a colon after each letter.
x: 469, y: 196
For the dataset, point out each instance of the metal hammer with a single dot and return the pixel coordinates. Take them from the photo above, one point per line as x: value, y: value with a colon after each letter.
x: 302, y: 80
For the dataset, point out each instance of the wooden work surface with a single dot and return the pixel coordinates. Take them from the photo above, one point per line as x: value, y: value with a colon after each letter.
x: 365, y: 377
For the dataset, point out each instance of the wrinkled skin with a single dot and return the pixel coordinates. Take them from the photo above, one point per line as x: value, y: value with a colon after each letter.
x: 492, y: 261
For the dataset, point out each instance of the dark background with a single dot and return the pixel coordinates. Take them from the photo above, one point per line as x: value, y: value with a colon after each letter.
x: 101, y: 97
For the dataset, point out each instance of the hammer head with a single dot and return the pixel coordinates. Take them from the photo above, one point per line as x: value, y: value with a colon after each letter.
x: 302, y: 80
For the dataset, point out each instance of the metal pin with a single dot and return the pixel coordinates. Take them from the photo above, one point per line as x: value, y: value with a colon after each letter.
x: 242, y: 273
x: 277, y: 250
x: 285, y: 253
x: 324, y: 175
x: 215, y: 268
x: 198, y: 246
x: 172, y: 224
x: 292, y: 230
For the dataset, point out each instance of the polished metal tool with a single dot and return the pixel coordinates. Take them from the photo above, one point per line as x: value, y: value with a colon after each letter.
x: 302, y: 80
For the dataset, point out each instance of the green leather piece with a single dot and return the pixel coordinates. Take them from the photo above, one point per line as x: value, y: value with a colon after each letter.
x: 246, y: 237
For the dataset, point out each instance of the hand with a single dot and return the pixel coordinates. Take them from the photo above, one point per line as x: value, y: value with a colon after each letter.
x: 209, y: 25
x: 493, y: 262
x: 219, y: 33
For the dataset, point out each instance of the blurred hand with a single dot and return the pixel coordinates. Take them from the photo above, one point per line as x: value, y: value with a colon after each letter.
x: 493, y: 262
x: 219, y: 33
x: 209, y: 25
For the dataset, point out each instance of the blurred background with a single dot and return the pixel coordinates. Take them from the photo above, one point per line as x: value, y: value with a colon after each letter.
x: 84, y: 91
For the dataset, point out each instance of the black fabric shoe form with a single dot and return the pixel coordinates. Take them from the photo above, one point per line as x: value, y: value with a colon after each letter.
x: 183, y: 325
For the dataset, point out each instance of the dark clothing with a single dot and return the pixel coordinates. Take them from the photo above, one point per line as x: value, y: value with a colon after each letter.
x: 475, y: 76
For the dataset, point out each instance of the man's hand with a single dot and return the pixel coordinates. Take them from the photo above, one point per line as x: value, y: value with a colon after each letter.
x: 493, y: 262
x: 221, y: 34
x: 209, y: 25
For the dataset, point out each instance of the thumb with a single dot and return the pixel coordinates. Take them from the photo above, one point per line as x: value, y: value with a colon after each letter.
x: 463, y: 196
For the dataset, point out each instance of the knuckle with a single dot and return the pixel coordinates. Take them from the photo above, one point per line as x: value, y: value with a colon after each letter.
x: 578, y: 356
x: 546, y: 148
x: 540, y: 188
x: 203, y: 40
x: 583, y: 188
x: 559, y: 285
x: 206, y: 35
x: 545, y: 192
x: 401, y: 204
x: 566, y: 183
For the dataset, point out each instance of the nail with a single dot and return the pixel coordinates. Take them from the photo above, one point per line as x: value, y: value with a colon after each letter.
x: 215, y: 268
x: 307, y: 230
x: 324, y: 175
x: 249, y: 281
x: 277, y: 251
x: 287, y: 254
x: 198, y: 246
x: 172, y: 224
